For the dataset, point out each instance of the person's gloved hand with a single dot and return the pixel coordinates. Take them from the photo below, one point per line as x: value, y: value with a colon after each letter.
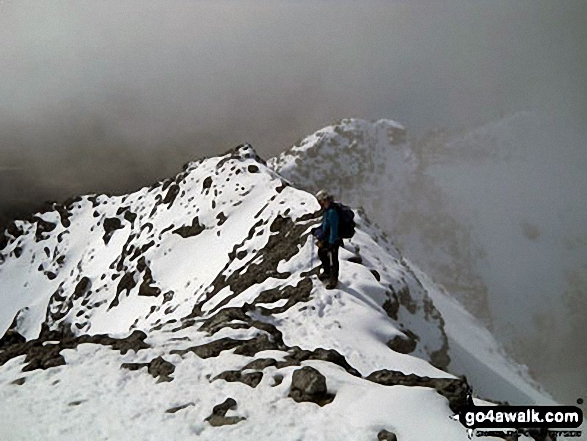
x: 317, y: 233
x: 320, y: 244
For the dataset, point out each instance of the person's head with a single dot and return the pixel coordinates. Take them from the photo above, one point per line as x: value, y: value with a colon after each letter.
x: 323, y: 198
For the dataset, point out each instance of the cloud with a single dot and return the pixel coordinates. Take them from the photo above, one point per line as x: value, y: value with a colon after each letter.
x: 153, y: 85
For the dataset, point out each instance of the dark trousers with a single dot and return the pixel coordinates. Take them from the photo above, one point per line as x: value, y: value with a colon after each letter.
x: 329, y: 258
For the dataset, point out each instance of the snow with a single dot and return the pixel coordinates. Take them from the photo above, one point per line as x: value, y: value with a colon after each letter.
x: 93, y: 397
x: 489, y: 214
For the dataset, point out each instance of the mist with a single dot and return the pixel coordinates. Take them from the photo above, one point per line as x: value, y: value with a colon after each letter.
x: 110, y: 96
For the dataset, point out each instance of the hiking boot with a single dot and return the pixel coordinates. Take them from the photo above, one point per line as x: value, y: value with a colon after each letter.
x: 332, y: 283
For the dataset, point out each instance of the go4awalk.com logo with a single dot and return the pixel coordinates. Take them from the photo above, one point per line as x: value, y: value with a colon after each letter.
x: 521, y: 420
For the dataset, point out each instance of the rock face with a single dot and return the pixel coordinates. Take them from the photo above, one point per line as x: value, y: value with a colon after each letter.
x: 456, y: 391
x: 219, y: 418
x: 375, y: 166
x: 308, y: 384
x: 166, y: 301
x: 385, y: 435
x: 402, y: 344
x: 158, y: 368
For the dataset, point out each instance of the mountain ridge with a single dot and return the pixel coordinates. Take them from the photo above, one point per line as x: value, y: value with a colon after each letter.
x: 208, y: 281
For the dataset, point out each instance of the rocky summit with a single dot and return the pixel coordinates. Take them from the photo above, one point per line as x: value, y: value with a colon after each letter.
x: 192, y: 309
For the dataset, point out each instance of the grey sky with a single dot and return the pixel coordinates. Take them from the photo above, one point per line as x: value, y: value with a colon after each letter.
x: 110, y: 95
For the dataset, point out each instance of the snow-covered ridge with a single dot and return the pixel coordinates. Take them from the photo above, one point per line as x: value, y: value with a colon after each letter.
x: 207, y: 282
x: 374, y: 165
x: 349, y: 149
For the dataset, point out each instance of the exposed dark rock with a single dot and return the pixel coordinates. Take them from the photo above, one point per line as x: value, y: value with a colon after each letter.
x: 127, y: 282
x: 212, y: 349
x: 94, y: 200
x: 161, y: 368
x: 148, y: 226
x: 43, y: 357
x: 111, y: 224
x: 189, y: 231
x: 251, y: 379
x: 76, y: 403
x: 221, y: 409
x: 385, y: 435
x: 19, y: 381
x: 243, y: 347
x: 11, y: 337
x: 376, y: 275
x: 391, y: 306
x: 217, y: 421
x: 218, y: 416
x: 405, y: 299
x: 281, y: 246
x: 257, y: 344
x: 141, y: 264
x: 4, y: 240
x: 42, y: 227
x: 59, y: 306
x: 165, y: 184
x: 260, y: 364
x: 299, y: 293
x: 81, y: 288
x: 282, y: 187
x: 64, y: 214
x: 440, y: 359
x: 252, y: 169
x: 14, y: 230
x: 141, y: 250
x: 221, y: 218
x: 134, y: 342
x: 126, y: 249
x: 171, y: 194
x: 224, y: 317
x: 297, y: 356
x: 455, y: 390
x: 130, y: 216
x: 237, y: 153
x: 207, y: 183
x: 147, y: 288
x: 308, y: 384
x: 17, y: 252
x: 402, y: 345
x: 241, y: 254
x: 178, y: 408
x: 158, y: 367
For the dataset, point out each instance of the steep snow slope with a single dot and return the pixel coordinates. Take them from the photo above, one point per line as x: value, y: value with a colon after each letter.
x: 373, y: 165
x: 521, y: 180
x: 188, y: 309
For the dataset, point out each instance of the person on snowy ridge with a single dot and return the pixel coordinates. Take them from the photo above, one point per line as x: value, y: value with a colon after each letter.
x: 329, y: 239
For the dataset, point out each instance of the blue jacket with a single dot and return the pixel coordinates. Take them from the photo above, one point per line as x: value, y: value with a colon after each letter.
x: 329, y: 226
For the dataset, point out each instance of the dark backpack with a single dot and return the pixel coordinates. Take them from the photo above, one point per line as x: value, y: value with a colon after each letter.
x: 346, y: 223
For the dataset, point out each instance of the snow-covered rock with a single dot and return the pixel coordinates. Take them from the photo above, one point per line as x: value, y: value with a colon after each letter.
x: 185, y: 310
x: 495, y: 215
x: 374, y: 165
